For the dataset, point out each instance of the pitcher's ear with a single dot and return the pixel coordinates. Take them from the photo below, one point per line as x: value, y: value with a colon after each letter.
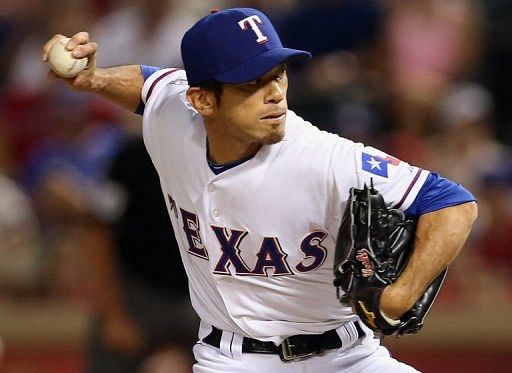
x: 202, y: 100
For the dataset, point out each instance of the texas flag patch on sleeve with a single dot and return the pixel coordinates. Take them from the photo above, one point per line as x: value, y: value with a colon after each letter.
x: 377, y: 165
x: 396, y: 180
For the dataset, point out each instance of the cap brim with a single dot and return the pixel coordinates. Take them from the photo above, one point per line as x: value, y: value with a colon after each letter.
x: 261, y: 64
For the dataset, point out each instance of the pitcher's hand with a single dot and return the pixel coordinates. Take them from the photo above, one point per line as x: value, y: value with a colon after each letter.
x: 80, y: 46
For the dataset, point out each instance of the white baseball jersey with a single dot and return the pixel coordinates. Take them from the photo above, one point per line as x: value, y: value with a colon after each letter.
x: 257, y: 241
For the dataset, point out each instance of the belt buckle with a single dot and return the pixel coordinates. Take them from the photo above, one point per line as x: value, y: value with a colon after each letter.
x: 286, y: 352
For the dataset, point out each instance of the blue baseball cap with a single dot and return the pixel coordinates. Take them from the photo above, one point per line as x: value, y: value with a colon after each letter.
x: 233, y: 46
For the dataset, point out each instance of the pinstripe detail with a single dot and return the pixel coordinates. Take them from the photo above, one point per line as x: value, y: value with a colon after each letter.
x: 409, y: 188
x: 157, y: 80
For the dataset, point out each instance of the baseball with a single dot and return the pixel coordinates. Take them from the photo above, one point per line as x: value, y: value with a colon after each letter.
x: 62, y: 62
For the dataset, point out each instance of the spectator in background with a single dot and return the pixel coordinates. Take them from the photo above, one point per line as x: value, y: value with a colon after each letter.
x: 495, y: 241
x: 61, y: 160
x: 464, y: 147
x: 428, y: 45
x: 498, y: 59
x: 21, y: 267
x: 342, y: 35
x: 360, y: 122
x: 276, y: 9
x: 28, y: 75
x: 62, y: 174
x: 20, y: 249
x: 331, y: 25
x: 25, y: 107
x: 144, y: 317
x: 149, y: 28
x: 465, y: 135
x: 12, y: 16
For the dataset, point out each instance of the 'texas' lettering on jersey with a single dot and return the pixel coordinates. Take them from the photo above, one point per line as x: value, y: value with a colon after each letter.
x: 270, y: 255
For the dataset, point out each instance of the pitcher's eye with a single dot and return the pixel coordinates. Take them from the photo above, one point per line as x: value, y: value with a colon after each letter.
x: 280, y: 74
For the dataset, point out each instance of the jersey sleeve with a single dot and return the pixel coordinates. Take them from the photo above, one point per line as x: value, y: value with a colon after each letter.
x: 146, y: 71
x: 163, y: 84
x: 397, y: 181
x: 357, y: 165
x: 164, y: 95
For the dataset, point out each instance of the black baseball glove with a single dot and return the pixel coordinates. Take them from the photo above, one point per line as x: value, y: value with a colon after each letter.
x: 373, y: 247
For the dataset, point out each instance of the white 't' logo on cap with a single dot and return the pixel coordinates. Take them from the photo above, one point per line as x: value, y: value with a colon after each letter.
x: 253, y: 22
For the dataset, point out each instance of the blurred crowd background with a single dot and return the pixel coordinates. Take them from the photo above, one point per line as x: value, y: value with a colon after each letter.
x: 89, y: 272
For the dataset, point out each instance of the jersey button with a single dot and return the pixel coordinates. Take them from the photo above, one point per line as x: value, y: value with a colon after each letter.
x: 211, y: 188
x: 215, y: 212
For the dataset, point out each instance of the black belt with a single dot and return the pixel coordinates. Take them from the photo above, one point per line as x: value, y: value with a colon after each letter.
x: 296, y: 347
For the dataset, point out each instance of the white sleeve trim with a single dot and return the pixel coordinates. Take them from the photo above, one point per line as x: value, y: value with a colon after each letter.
x: 154, y: 79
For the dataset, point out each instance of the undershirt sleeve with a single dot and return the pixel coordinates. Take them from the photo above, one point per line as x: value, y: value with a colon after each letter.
x: 147, y: 71
x: 436, y: 194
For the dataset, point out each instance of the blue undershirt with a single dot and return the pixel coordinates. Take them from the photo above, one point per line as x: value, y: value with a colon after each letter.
x: 219, y: 168
x: 147, y: 71
x: 436, y: 194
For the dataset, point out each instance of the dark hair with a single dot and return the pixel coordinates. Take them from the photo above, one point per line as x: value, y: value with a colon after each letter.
x: 213, y: 86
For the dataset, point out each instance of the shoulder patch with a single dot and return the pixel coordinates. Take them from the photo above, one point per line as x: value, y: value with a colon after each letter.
x: 374, y: 164
x: 378, y: 165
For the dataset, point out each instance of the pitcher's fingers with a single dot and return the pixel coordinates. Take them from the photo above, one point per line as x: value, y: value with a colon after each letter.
x: 79, y: 38
x: 85, y: 50
x: 48, y: 45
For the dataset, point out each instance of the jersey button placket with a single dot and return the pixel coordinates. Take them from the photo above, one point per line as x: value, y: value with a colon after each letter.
x: 210, y: 188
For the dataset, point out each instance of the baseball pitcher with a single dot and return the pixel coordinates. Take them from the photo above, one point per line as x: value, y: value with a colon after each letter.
x: 269, y: 211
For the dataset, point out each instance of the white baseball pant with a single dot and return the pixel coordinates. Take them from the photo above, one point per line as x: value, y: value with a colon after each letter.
x: 364, y: 355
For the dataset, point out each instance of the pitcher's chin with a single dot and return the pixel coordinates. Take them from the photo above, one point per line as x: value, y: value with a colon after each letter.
x: 274, y: 137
